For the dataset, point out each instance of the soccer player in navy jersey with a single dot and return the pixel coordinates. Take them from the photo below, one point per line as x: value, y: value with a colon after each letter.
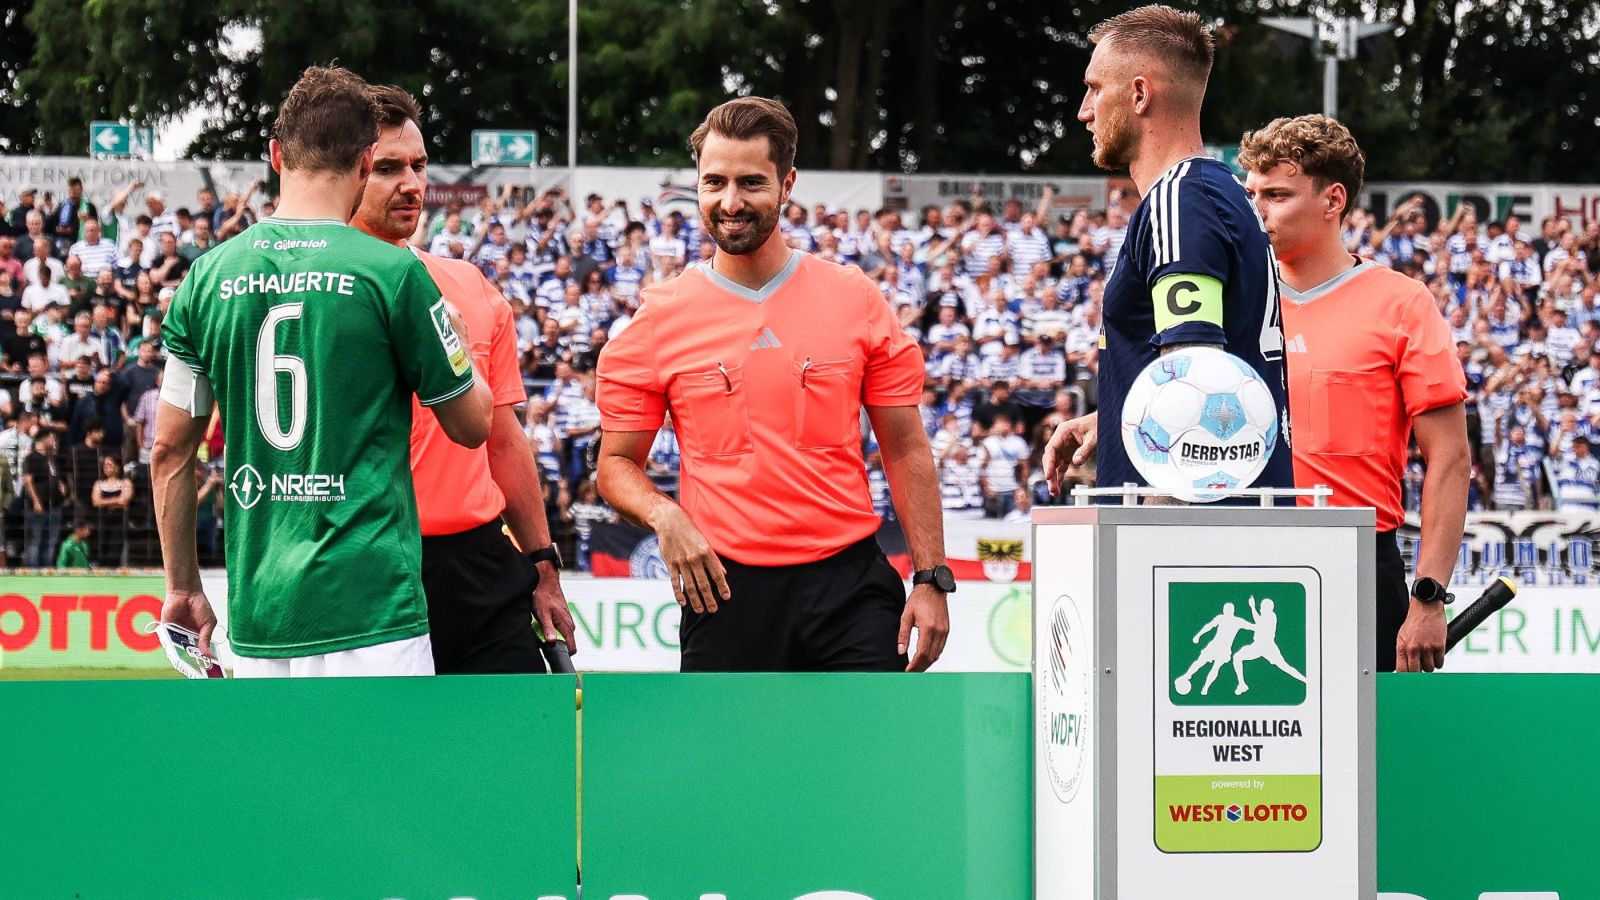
x: 1196, y: 268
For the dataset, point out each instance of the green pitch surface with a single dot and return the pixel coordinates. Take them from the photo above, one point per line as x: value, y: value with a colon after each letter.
x: 84, y: 674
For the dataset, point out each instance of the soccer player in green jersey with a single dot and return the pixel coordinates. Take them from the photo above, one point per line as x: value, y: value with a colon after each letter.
x: 311, y: 339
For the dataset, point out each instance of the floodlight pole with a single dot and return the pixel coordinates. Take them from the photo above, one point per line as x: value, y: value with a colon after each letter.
x: 1334, y: 40
x: 572, y: 84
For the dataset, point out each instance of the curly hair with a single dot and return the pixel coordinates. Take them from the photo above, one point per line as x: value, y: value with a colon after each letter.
x: 1315, y: 145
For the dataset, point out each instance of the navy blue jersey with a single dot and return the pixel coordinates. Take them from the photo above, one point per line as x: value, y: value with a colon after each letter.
x: 1195, y: 221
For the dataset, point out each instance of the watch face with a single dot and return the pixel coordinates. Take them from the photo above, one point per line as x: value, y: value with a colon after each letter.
x: 1427, y: 590
x: 944, y: 578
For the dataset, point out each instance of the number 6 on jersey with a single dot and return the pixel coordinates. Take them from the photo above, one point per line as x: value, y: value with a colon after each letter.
x: 268, y: 364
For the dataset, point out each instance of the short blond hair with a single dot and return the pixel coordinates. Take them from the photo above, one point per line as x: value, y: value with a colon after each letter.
x: 1316, y: 145
x: 1176, y: 38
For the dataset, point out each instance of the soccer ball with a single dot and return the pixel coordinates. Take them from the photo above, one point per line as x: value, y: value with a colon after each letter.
x: 1182, y: 685
x: 1198, y: 422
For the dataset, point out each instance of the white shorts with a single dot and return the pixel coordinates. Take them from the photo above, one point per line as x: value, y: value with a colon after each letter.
x: 412, y: 656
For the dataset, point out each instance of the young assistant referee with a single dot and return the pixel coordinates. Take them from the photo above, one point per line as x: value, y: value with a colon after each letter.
x: 1372, y: 362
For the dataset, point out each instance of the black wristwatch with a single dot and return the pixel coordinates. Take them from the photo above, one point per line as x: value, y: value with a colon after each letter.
x: 1427, y: 590
x: 549, y: 554
x: 939, y: 576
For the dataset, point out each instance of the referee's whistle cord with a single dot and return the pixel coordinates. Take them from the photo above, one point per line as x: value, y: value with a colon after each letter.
x: 725, y: 376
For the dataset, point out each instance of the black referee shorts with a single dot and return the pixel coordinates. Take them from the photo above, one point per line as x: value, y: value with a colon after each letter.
x: 838, y: 614
x: 480, y: 607
x: 1393, y: 600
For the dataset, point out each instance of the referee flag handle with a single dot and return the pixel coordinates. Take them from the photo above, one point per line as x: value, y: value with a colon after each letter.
x: 557, y: 657
x: 1490, y: 602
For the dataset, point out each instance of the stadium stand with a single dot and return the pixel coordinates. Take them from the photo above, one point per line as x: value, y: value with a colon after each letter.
x: 1005, y: 303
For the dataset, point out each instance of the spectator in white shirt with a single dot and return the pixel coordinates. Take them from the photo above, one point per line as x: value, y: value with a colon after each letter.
x: 984, y: 242
x: 450, y: 243
x: 1108, y: 238
x: 575, y: 321
x: 1560, y: 337
x: 93, y: 251
x: 668, y: 245
x: 494, y: 249
x: 960, y: 364
x: 1000, y: 457
x: 1083, y: 342
x: 162, y: 220
x: 1522, y: 269
x: 1578, y: 478
x: 81, y: 343
x: 961, y: 493
x: 40, y: 295
x: 944, y: 332
x: 1028, y: 244
x: 42, y: 260
x: 1049, y: 319
x: 993, y: 323
x: 1007, y: 365
x: 1586, y: 380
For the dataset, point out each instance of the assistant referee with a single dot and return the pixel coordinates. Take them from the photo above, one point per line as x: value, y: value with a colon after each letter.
x: 766, y: 357
x: 484, y: 595
x: 1372, y: 363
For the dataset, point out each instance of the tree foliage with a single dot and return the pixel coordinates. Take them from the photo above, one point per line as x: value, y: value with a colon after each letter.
x: 1483, y: 90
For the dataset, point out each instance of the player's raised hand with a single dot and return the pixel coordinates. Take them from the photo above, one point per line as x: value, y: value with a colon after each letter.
x: 927, y: 610
x: 1070, y: 446
x: 698, y: 579
x: 193, y: 611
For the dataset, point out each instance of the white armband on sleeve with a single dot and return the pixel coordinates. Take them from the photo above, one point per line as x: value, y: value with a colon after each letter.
x: 181, y: 387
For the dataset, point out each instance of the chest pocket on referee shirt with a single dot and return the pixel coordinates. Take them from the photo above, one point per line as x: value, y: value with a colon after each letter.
x: 827, y: 409
x: 1346, y: 419
x: 712, y: 412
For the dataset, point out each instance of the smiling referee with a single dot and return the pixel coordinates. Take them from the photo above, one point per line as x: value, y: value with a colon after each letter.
x: 765, y: 358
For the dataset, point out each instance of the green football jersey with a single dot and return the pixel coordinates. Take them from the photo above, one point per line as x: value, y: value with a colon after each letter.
x: 314, y: 336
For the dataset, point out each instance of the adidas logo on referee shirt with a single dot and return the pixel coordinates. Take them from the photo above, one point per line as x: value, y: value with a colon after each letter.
x: 766, y: 341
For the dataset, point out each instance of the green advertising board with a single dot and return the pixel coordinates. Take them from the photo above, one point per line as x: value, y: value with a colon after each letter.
x: 1487, y: 787
x: 411, y: 788
x: 80, y: 620
x: 754, y: 787
x: 775, y: 787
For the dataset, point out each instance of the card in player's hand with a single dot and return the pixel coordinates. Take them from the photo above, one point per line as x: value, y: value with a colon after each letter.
x: 183, y: 651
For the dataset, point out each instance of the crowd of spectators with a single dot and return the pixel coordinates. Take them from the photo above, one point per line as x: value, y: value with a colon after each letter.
x: 1004, y: 299
x: 82, y: 294
x: 1522, y: 309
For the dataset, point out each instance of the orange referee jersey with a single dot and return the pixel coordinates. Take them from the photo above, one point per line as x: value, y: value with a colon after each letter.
x: 1369, y: 352
x: 766, y: 390
x: 454, y: 490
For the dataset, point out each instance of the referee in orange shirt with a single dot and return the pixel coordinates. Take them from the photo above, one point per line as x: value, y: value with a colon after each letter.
x: 765, y: 357
x: 484, y: 596
x: 1371, y: 362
